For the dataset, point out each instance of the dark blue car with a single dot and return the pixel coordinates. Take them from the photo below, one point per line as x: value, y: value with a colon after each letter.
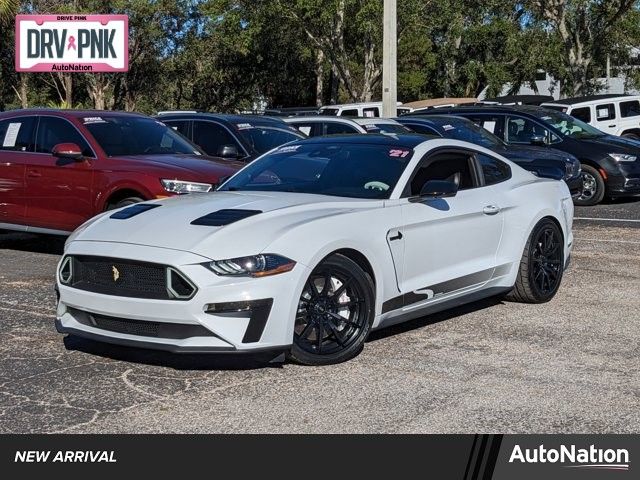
x: 543, y: 161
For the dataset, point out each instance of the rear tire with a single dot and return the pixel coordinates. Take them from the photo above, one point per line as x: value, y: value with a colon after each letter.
x: 541, y: 266
x: 593, y: 187
x: 125, y: 203
x: 631, y: 136
x: 335, y: 312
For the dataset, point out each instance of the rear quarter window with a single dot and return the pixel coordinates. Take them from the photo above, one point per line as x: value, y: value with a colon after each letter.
x: 630, y: 109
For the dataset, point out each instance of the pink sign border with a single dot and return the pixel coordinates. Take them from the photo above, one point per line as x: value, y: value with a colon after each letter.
x: 97, y: 67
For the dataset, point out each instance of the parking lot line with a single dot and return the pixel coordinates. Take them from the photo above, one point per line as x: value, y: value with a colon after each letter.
x: 606, y: 240
x: 624, y: 220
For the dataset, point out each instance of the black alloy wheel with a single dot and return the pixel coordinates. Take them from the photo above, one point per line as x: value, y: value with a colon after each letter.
x: 542, y: 265
x: 334, y: 313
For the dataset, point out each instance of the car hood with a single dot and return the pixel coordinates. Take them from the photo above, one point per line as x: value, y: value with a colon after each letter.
x: 169, y: 225
x: 195, y: 166
x: 613, y: 144
x: 528, y: 153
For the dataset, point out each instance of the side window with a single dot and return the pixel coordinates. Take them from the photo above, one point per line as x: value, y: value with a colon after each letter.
x: 352, y: 112
x: 493, y: 170
x: 423, y: 129
x: 306, y: 128
x: 332, y: 128
x: 522, y: 130
x: 450, y: 166
x: 370, y: 112
x: 582, y: 113
x: 180, y: 126
x: 605, y: 112
x: 16, y: 134
x: 490, y: 123
x: 630, y: 109
x: 211, y: 137
x: 55, y: 130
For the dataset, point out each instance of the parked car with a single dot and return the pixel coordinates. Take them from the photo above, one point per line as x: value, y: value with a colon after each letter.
x: 326, y: 125
x: 368, y: 109
x: 58, y: 168
x: 518, y: 100
x: 543, y: 161
x: 291, y: 111
x: 315, y: 244
x: 613, y: 114
x: 610, y: 164
x: 438, y: 103
x: 232, y: 137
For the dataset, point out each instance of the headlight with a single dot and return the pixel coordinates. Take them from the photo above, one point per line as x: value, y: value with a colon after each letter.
x: 253, y: 266
x: 181, y: 187
x: 623, y: 157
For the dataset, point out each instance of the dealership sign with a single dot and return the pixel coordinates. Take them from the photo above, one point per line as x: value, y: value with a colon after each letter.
x: 72, y: 43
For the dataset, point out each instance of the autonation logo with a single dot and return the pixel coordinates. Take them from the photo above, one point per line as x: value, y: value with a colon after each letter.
x: 574, y: 457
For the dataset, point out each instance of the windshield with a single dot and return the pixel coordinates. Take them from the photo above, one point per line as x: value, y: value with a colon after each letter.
x: 469, y: 132
x: 569, y: 126
x: 385, y: 128
x: 344, y: 170
x: 263, y: 139
x: 129, y: 135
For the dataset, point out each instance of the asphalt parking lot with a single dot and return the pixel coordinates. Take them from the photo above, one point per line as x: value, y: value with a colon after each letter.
x: 567, y: 366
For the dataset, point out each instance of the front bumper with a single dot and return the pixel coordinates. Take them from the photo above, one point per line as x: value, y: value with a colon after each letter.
x: 624, y: 179
x: 575, y: 185
x: 227, y: 314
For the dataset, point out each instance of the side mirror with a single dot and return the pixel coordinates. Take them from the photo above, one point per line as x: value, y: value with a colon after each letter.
x: 436, y: 189
x: 228, y: 151
x: 538, y: 140
x: 67, y: 150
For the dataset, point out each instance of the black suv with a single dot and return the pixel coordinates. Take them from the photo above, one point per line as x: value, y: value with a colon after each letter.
x: 610, y: 165
x: 232, y: 137
x: 544, y: 162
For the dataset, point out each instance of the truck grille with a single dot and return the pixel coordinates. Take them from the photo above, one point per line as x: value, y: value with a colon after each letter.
x: 125, y: 278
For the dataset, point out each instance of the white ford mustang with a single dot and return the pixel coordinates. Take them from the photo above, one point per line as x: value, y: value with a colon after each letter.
x: 313, y: 245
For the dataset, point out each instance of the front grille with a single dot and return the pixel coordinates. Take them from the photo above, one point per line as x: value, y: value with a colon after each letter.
x: 141, y: 328
x: 129, y: 278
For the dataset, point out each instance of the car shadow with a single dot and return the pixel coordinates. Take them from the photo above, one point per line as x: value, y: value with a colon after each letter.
x: 28, y: 242
x: 434, y: 318
x: 176, y: 361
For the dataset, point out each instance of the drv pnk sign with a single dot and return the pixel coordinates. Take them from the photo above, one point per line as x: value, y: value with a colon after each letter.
x: 72, y: 43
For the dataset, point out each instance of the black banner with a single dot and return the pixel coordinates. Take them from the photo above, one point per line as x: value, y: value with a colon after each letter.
x: 459, y: 457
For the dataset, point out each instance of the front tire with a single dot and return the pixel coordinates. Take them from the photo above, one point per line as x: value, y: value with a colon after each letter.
x: 335, y: 312
x: 541, y: 266
x: 593, y: 187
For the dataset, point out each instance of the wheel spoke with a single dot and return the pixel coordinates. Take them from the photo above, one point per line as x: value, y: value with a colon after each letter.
x: 313, y: 291
x: 307, y: 330
x: 335, y: 333
x: 320, y: 338
x: 342, y: 288
x: 350, y: 303
x: 326, y: 286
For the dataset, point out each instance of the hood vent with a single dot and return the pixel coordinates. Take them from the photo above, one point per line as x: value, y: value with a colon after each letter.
x: 133, y: 210
x: 224, y: 217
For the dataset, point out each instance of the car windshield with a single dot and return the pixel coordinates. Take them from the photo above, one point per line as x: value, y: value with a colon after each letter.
x: 262, y: 139
x: 569, y: 126
x: 343, y: 170
x: 385, y: 128
x: 130, y: 135
x: 468, y: 132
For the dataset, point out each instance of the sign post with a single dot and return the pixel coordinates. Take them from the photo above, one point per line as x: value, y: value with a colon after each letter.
x: 389, y: 60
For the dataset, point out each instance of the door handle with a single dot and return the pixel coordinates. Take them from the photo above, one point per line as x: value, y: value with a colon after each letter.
x: 611, y: 126
x: 34, y: 174
x: 491, y: 210
x: 396, y: 237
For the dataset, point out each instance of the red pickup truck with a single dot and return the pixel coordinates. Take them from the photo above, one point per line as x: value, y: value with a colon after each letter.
x: 58, y: 168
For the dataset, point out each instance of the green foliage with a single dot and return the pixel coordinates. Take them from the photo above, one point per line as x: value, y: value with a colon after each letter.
x: 234, y: 55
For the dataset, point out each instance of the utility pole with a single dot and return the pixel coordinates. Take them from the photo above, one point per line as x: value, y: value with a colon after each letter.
x: 390, y: 60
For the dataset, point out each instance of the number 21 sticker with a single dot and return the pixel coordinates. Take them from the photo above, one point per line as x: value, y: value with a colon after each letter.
x: 398, y: 153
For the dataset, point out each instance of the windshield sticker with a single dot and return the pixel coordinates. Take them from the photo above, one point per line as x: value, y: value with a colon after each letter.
x: 398, y: 153
x: 448, y: 127
x: 93, y: 120
x: 11, y: 135
x: 289, y: 149
x: 371, y: 127
x: 243, y: 126
x: 546, y: 118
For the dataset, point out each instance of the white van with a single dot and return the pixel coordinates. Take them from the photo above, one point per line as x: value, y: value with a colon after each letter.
x: 613, y: 114
x: 366, y: 110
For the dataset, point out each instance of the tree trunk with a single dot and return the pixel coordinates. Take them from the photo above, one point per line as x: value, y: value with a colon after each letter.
x: 97, y: 90
x: 335, y: 86
x: 319, y: 77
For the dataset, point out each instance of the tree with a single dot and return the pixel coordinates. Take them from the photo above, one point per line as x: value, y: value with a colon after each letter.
x: 584, y: 27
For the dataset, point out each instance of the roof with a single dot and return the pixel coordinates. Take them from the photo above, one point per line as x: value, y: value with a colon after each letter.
x: 73, y: 113
x: 361, y: 104
x: 320, y: 118
x: 436, y: 120
x: 434, y: 102
x: 521, y: 99
x: 374, y: 121
x: 227, y: 117
x: 530, y: 109
x: 590, y: 98
x: 409, y: 140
